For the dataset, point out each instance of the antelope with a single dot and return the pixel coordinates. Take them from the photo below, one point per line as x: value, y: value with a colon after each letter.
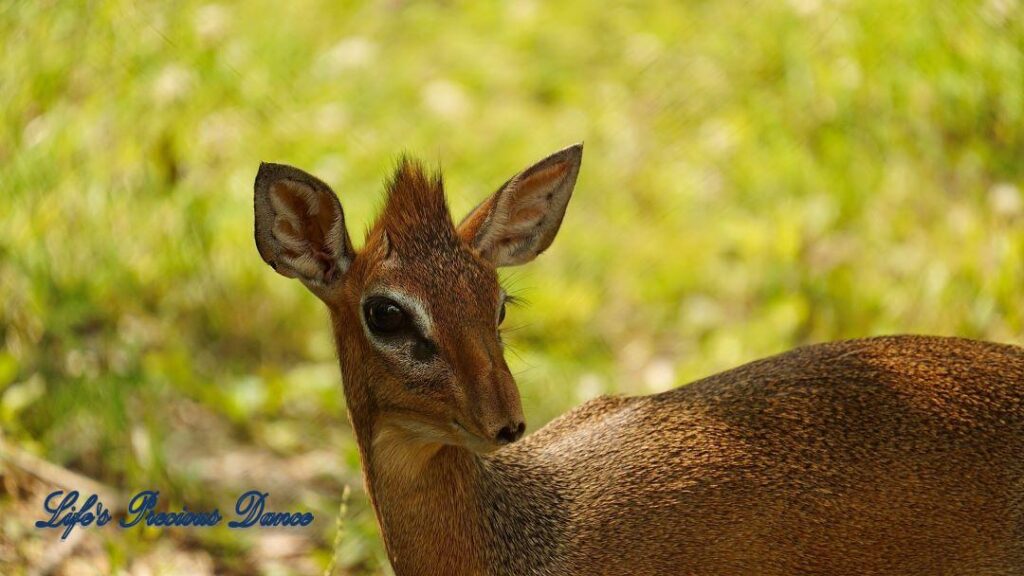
x: 889, y: 455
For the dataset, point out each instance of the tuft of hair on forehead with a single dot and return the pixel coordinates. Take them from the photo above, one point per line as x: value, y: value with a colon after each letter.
x: 416, y: 210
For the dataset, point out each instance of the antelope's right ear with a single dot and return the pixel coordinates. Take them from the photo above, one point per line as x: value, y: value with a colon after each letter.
x: 300, y: 227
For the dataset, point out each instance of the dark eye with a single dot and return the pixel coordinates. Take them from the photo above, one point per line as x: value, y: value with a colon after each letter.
x: 501, y: 314
x: 384, y: 316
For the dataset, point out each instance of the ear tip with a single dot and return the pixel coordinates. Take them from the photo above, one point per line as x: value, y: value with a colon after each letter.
x: 265, y: 173
x: 270, y: 172
x: 268, y: 169
x: 573, y: 152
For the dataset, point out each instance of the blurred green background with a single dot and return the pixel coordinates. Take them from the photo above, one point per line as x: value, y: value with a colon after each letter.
x: 758, y: 175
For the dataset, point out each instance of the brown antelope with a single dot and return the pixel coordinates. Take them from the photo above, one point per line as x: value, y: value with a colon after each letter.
x: 894, y: 455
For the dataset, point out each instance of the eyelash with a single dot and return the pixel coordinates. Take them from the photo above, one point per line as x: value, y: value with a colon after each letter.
x: 510, y: 301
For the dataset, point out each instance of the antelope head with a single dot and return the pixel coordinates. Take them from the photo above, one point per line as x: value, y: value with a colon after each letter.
x: 417, y: 310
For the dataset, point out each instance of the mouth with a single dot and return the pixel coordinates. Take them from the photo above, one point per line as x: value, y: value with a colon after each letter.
x: 473, y: 441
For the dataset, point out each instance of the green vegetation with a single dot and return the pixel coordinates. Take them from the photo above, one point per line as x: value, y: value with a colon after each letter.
x: 757, y: 176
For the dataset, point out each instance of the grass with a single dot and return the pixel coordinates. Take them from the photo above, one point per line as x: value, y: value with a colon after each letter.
x: 757, y: 176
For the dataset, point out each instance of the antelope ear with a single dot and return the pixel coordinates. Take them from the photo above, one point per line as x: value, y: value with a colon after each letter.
x: 300, y: 226
x: 520, y: 220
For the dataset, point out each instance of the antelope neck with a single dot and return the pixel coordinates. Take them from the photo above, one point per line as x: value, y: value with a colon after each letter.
x: 425, y: 496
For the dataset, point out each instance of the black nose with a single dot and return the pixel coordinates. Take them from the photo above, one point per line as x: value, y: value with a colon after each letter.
x: 511, y: 433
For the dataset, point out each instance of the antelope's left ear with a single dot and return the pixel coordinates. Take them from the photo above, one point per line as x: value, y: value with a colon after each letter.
x: 520, y: 220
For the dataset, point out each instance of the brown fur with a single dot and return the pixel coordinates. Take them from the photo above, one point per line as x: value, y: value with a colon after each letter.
x: 900, y: 455
x: 897, y: 455
x: 416, y: 209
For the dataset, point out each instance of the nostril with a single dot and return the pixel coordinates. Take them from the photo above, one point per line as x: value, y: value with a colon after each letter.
x: 511, y: 433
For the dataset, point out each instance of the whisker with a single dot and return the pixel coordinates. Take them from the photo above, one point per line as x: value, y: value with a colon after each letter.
x: 516, y: 328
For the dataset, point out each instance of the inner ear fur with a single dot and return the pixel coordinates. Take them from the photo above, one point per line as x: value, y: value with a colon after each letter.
x: 300, y: 225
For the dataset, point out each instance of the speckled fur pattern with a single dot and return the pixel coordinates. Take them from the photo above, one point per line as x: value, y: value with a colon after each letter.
x: 896, y: 455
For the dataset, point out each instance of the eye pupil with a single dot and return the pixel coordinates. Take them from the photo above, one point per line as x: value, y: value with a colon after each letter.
x: 384, y: 316
x: 501, y: 314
